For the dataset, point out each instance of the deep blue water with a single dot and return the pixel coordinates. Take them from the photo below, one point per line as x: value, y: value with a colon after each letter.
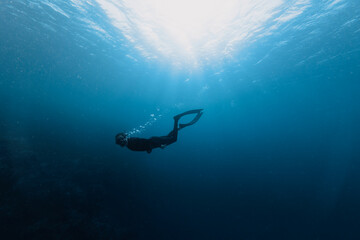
x: 275, y: 155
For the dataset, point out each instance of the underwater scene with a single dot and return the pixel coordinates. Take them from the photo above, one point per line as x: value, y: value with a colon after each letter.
x: 177, y: 120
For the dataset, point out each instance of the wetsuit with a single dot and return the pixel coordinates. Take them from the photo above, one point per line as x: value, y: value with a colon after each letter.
x: 144, y: 144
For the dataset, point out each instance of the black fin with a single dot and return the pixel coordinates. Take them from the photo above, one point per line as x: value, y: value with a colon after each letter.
x: 187, y: 112
x: 196, y: 118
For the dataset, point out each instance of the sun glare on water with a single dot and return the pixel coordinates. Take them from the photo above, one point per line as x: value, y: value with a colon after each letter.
x: 194, y: 31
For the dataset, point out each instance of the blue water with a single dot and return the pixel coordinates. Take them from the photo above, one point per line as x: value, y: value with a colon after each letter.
x: 275, y: 155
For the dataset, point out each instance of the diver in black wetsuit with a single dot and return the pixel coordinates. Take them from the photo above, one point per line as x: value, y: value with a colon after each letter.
x: 143, y: 144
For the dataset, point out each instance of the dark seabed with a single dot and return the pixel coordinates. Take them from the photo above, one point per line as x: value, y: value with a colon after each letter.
x: 276, y: 154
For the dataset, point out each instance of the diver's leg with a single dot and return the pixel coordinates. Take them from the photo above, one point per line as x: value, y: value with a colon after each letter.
x: 175, y: 130
x: 172, y: 136
x: 163, y: 141
x: 174, y: 133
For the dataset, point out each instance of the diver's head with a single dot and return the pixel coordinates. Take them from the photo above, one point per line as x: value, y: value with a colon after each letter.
x: 121, y: 139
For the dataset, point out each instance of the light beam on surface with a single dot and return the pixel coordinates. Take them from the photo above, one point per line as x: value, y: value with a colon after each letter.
x: 195, y: 31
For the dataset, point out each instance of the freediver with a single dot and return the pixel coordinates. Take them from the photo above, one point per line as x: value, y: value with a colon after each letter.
x: 144, y: 144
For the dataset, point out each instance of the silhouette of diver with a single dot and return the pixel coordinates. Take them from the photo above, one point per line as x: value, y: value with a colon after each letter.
x: 143, y: 144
